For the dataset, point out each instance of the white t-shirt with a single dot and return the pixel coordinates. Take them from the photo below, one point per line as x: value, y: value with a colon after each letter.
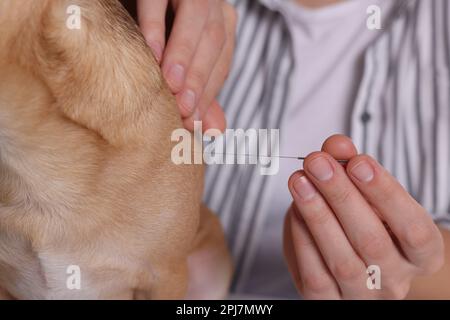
x: 329, y: 44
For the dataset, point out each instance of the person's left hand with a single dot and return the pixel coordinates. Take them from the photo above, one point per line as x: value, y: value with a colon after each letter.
x: 346, y: 219
x: 197, y: 57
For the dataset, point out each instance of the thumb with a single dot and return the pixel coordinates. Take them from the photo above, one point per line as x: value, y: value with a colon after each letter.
x: 340, y: 147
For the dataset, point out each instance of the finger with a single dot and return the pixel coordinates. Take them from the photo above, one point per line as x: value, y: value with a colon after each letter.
x: 203, y: 63
x: 223, y: 64
x: 190, y: 19
x: 289, y: 251
x: 340, y: 147
x: 361, y: 224
x: 343, y: 262
x: 214, y: 119
x: 416, y: 232
x: 312, y: 276
x: 152, y: 21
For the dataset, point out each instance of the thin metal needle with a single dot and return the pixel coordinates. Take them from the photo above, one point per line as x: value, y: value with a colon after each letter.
x: 304, y: 158
x: 281, y: 157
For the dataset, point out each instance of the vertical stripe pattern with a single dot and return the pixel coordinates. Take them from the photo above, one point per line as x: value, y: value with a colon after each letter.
x: 405, y: 93
x: 253, y: 97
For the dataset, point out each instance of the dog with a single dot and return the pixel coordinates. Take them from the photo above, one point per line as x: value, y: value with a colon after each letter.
x: 91, y: 205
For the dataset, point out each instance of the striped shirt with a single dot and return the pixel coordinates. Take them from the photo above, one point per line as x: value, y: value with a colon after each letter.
x: 401, y: 115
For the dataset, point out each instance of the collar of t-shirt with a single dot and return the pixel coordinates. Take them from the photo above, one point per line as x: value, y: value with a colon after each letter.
x: 317, y: 21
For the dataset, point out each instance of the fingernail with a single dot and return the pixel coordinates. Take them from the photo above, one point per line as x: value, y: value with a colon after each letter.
x: 157, y: 50
x: 321, y: 169
x: 363, y: 172
x: 175, y: 76
x: 188, y: 100
x: 304, y: 189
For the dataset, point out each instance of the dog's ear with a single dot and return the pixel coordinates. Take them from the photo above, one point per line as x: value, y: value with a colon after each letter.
x: 101, y: 72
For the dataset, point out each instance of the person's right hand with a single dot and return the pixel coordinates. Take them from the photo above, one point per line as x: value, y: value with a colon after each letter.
x: 347, y: 220
x: 197, y: 57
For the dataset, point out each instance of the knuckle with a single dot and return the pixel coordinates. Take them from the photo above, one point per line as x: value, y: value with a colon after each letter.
x: 389, y: 187
x: 153, y: 28
x: 183, y: 50
x: 304, y: 242
x: 346, y: 271
x: 340, y: 196
x: 418, y: 235
x: 197, y: 79
x: 317, y: 283
x: 216, y: 32
x: 318, y: 215
x: 374, y: 246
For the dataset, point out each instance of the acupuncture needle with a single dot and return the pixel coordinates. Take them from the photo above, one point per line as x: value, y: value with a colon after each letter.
x: 280, y: 157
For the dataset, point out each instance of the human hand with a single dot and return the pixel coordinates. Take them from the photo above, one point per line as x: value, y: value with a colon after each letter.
x: 346, y: 219
x: 197, y: 57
